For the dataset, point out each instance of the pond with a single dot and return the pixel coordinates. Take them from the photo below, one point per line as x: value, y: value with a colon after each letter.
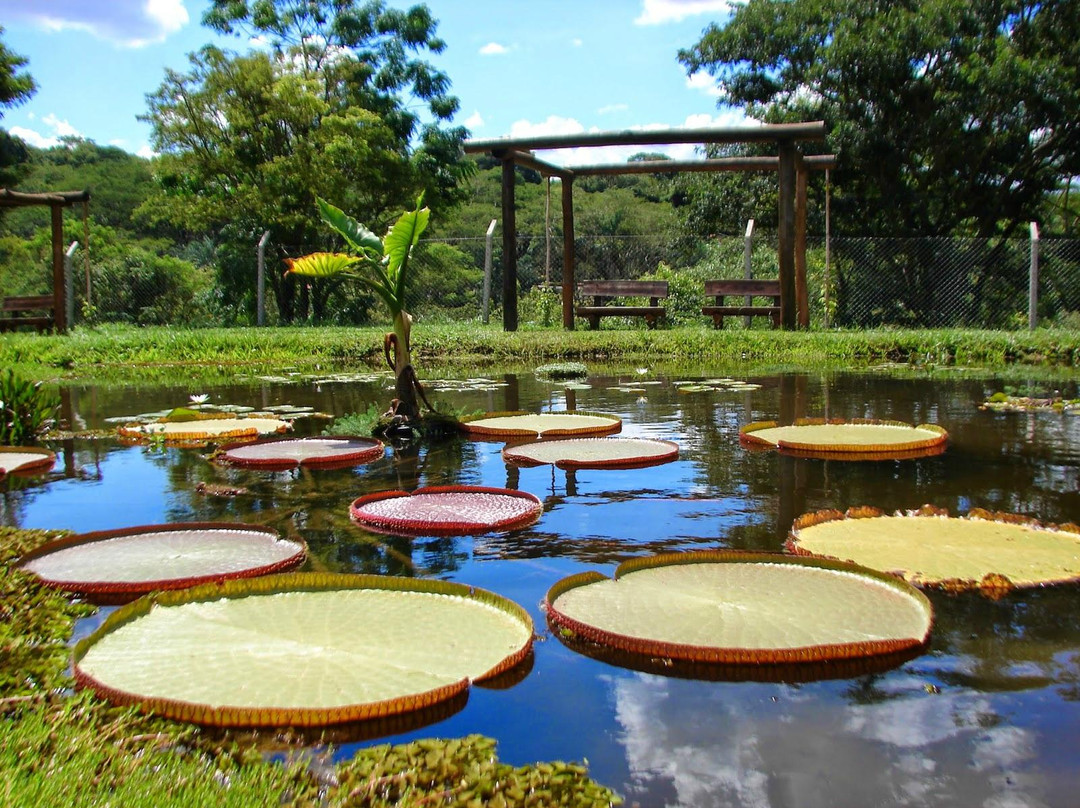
x: 988, y: 715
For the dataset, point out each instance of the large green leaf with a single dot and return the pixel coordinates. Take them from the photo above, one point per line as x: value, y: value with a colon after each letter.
x: 355, y: 234
x: 302, y: 649
x: 398, y: 244
x: 320, y: 264
x: 123, y: 564
x: 987, y: 551
x: 732, y: 607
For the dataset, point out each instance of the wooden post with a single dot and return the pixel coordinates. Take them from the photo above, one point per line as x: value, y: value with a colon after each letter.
x: 260, y: 281
x: 802, y: 299
x: 748, y: 265
x: 1033, y: 279
x: 487, y: 270
x: 69, y: 282
x: 568, y: 267
x: 59, y: 303
x: 509, y: 257
x: 828, y: 247
x: 786, y: 249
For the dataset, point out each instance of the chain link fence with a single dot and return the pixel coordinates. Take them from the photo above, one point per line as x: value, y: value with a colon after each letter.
x: 851, y: 282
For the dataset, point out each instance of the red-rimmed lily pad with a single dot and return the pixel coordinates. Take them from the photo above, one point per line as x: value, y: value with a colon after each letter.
x: 742, y: 608
x: 25, y: 460
x: 858, y: 439
x: 452, y: 510
x: 306, y: 649
x: 119, y: 565
x: 986, y: 551
x: 572, y: 453
x: 508, y: 425
x: 324, y: 452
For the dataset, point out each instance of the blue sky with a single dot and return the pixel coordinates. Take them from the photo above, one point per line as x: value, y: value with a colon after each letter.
x: 519, y: 67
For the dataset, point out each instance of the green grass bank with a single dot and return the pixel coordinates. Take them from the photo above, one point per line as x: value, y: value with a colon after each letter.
x: 94, y: 352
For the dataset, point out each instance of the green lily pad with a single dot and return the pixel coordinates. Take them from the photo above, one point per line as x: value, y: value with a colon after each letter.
x: 729, y: 607
x: 306, y: 649
x: 990, y: 552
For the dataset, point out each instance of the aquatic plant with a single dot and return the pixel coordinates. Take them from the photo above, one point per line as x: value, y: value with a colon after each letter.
x: 27, y: 409
x: 385, y: 270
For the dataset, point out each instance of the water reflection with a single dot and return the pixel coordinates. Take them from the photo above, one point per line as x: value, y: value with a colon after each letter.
x: 990, y: 715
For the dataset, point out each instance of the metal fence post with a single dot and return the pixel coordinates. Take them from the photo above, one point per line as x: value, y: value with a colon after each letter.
x: 1033, y: 279
x: 748, y: 268
x: 260, y: 289
x: 69, y: 284
x: 487, y: 269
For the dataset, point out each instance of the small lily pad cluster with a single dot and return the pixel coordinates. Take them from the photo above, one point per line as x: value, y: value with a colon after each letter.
x: 463, y: 385
x: 716, y: 386
x: 1003, y: 402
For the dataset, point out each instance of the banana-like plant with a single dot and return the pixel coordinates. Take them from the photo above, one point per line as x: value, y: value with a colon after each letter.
x: 381, y: 264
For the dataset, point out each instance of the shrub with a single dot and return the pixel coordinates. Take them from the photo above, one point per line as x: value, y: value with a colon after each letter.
x: 27, y: 410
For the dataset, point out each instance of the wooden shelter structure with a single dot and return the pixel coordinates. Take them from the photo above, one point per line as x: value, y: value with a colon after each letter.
x: 789, y: 164
x: 56, y: 201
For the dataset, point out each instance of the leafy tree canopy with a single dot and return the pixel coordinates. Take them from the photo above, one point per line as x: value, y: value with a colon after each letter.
x: 248, y: 142
x: 947, y: 116
x: 16, y: 87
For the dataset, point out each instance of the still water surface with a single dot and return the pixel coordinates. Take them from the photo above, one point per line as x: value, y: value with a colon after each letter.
x: 988, y: 716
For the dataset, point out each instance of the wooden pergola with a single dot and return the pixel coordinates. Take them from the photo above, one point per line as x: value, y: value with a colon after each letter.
x: 789, y: 164
x: 56, y: 201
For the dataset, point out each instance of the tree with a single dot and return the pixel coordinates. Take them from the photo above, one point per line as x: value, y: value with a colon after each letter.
x: 248, y: 142
x: 16, y: 87
x: 949, y: 117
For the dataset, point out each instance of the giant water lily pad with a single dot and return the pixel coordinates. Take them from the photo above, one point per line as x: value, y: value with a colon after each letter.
x: 119, y: 565
x: 452, y: 510
x: 729, y: 607
x: 992, y: 552
x: 305, y: 649
x: 570, y: 453
x: 205, y: 428
x: 25, y: 460
x: 315, y: 451
x: 859, y: 439
x: 544, y: 424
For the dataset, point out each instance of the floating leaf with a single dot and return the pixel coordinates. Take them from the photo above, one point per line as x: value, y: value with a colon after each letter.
x: 305, y: 649
x: 205, y: 428
x: 446, y: 510
x: 118, y: 565
x: 594, y: 453
x: 994, y: 552
x: 25, y: 460
x: 546, y: 424
x: 847, y: 440
x: 337, y: 451
x: 730, y: 607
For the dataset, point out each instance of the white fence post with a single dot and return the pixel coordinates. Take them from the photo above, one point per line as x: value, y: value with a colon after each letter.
x: 487, y: 269
x: 748, y: 268
x: 69, y: 285
x: 260, y: 289
x: 1033, y: 279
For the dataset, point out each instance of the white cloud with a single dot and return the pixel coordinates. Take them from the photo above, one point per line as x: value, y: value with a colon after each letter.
x: 62, y: 128
x: 38, y: 140
x: 577, y: 42
x: 131, y: 23
x: 612, y: 108
x: 658, y: 12
x: 593, y: 155
x: 32, y: 138
x: 493, y: 49
x: 474, y: 121
x: 704, y: 82
x: 146, y: 152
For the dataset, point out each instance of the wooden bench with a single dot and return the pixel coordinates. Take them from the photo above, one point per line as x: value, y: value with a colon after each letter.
x: 752, y: 288
x: 29, y: 310
x: 603, y: 293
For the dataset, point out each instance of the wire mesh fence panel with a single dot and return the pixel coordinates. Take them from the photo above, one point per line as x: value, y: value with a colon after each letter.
x: 855, y: 283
